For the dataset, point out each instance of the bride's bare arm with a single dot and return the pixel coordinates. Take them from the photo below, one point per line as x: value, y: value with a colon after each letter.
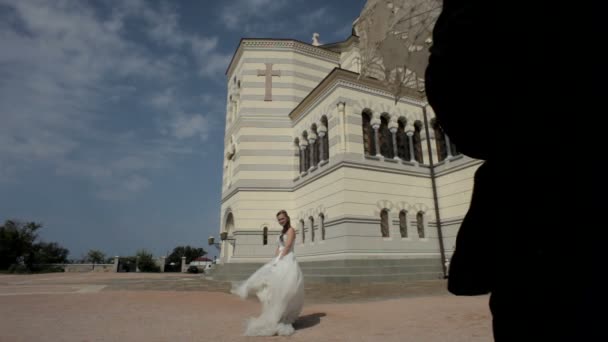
x: 291, y: 237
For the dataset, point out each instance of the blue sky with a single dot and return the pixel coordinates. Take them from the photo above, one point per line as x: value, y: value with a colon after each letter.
x: 112, y: 112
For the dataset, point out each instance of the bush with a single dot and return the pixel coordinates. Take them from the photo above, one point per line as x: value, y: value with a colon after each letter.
x: 19, y: 269
x: 23, y: 269
x: 127, y: 264
x: 48, y: 269
x: 145, y: 262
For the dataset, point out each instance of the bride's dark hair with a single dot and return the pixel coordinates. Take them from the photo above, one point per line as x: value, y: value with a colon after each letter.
x: 288, y: 221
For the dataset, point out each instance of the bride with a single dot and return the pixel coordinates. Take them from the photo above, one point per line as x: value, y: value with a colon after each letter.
x: 279, y: 286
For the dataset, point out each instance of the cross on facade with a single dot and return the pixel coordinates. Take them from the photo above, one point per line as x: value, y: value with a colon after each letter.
x: 268, y: 73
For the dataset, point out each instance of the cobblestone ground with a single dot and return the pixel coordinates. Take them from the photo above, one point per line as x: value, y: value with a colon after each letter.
x: 183, y: 307
x: 315, y: 292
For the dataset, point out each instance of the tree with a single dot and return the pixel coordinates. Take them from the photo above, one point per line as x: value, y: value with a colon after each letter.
x: 18, y: 246
x: 50, y: 253
x: 95, y: 256
x: 398, y: 60
x: 17, y: 243
x: 189, y: 252
x: 145, y: 261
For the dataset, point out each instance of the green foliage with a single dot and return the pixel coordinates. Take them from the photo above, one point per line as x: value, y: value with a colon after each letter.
x: 50, y: 253
x: 20, y: 269
x: 17, y: 242
x: 18, y: 247
x: 48, y: 269
x: 95, y: 256
x: 189, y: 252
x: 145, y: 261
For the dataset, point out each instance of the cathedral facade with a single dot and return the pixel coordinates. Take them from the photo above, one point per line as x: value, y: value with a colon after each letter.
x: 361, y: 175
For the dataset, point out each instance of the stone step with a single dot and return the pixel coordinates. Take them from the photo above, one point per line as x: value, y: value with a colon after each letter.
x: 345, y: 278
x: 370, y: 270
x: 372, y: 278
x: 342, y: 263
x: 349, y: 271
x: 372, y: 262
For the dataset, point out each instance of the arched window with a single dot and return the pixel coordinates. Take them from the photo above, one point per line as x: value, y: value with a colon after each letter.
x: 325, y: 138
x: 442, y: 151
x: 403, y: 223
x: 420, y: 224
x: 418, y: 141
x: 296, y: 143
x: 386, y: 138
x: 315, y: 146
x: 454, y: 149
x: 312, y: 228
x: 322, y: 224
x: 403, y: 144
x: 227, y: 250
x: 302, y: 227
x: 306, y: 156
x: 384, y: 223
x: 368, y: 133
x: 265, y: 236
x: 230, y: 109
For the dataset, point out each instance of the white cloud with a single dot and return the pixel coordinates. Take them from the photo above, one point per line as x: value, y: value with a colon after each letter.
x: 214, y: 64
x: 124, y: 189
x: 263, y: 18
x: 64, y: 68
x: 186, y: 126
x: 136, y: 183
x: 7, y: 173
x: 207, y: 99
x: 117, y: 168
x: 238, y: 13
x: 314, y: 17
x: 201, y: 47
x: 342, y: 33
x: 164, y: 99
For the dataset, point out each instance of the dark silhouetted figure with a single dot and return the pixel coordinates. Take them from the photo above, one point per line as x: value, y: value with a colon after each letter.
x: 520, y: 86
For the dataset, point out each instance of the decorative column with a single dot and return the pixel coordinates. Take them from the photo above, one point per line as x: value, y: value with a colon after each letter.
x: 237, y: 101
x: 116, y: 258
x: 229, y: 161
x: 448, y: 146
x: 393, y: 126
x: 342, y: 116
x: 322, y: 130
x: 163, y: 261
x: 375, y: 122
x: 303, y: 145
x: 409, y: 130
x: 229, y: 111
x: 425, y: 147
x: 301, y: 158
x: 184, y: 269
x: 312, y: 137
x: 357, y: 65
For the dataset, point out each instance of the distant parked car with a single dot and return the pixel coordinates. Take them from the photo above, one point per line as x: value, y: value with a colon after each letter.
x: 202, y: 264
x: 193, y: 269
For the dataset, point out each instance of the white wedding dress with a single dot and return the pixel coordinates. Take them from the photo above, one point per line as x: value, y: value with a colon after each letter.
x: 279, y: 286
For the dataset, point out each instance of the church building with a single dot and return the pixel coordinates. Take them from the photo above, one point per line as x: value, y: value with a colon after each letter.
x: 366, y: 180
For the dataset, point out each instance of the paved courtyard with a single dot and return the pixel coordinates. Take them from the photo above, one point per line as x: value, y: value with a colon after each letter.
x: 182, y: 307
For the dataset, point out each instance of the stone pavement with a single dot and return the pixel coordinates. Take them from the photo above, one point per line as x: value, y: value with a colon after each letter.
x: 86, y: 307
x: 315, y: 292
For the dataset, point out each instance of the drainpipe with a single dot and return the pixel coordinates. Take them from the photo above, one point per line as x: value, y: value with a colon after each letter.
x: 434, y: 186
